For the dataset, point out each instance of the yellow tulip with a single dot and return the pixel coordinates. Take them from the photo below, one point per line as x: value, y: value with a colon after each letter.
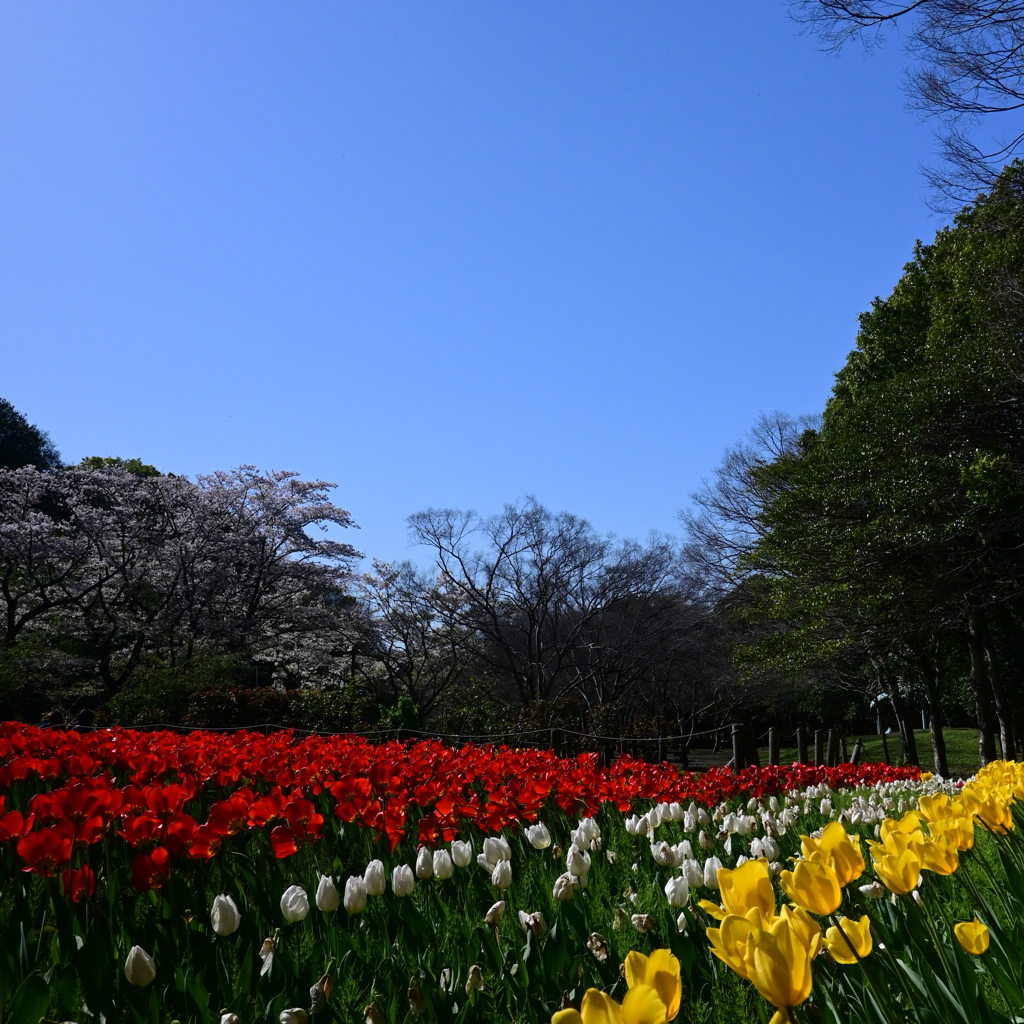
x: 742, y: 888
x: 940, y: 855
x: 660, y: 971
x: 959, y: 831
x: 641, y: 1006
x: 935, y: 807
x: 840, y: 851
x: 729, y: 942
x: 898, y: 863
x: 813, y: 885
x: 972, y: 935
x: 779, y: 964
x: 909, y: 825
x: 806, y: 928
x: 851, y: 941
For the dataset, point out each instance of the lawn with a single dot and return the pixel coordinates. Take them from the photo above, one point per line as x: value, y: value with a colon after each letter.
x: 961, y: 750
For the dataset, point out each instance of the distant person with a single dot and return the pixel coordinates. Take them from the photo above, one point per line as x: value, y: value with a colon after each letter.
x: 52, y: 720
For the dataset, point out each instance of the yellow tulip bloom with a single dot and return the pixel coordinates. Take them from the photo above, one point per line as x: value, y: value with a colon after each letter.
x: 935, y: 807
x: 959, y: 831
x: 641, y: 1006
x: 840, y: 851
x: 805, y: 927
x: 660, y: 971
x: 851, y: 941
x: 729, y: 942
x: 743, y: 888
x: 972, y: 935
x: 779, y: 964
x: 813, y: 885
x: 898, y: 871
x: 940, y: 855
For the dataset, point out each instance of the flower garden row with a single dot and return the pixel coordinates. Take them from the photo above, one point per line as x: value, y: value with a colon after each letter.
x: 147, y: 876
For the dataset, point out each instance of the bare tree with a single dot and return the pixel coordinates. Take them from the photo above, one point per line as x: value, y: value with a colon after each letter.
x: 549, y: 604
x: 725, y: 521
x: 970, y: 56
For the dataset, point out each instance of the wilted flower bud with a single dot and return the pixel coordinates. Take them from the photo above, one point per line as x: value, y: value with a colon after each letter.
x: 598, y: 945
x: 678, y: 892
x: 532, y: 922
x: 643, y: 922
x: 294, y: 905
x: 706, y: 842
x: 442, y: 865
x: 374, y: 878
x: 320, y: 993
x: 565, y: 885
x: 267, y: 955
x: 475, y: 980
x: 494, y: 915
x: 327, y: 896
x: 402, y: 880
x: 444, y: 983
x: 139, y: 968
x: 663, y: 854
x: 611, y: 855
x: 355, y: 894
x: 619, y: 918
x: 372, y: 1015
x: 538, y: 835
x: 501, y: 876
x: 224, y: 915
x: 874, y: 891
x: 225, y: 1018
x: 296, y: 1015
x: 417, y: 1004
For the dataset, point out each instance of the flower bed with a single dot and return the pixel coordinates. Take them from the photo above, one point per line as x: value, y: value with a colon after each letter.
x: 151, y: 876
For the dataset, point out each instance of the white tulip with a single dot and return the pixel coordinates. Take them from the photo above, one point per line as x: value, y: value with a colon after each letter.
x: 424, y: 863
x: 577, y: 863
x: 224, y: 915
x: 296, y: 1015
x: 565, y: 885
x: 442, y: 865
x: 495, y: 849
x: 230, y: 1018
x: 403, y: 880
x: 826, y: 807
x: 711, y: 868
x: 327, y: 897
x: 689, y: 822
x: 495, y: 914
x: 462, y: 853
x: 676, y: 812
x: 681, y: 921
x: 678, y: 892
x: 294, y: 904
x: 693, y: 871
x: 501, y: 876
x: 139, y: 968
x: 538, y: 835
x: 703, y: 818
x: 355, y: 894
x: 374, y: 878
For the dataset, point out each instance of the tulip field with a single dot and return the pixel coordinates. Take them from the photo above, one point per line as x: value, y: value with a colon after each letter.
x: 150, y: 877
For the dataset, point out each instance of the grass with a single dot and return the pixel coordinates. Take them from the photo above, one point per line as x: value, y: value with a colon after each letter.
x: 961, y: 750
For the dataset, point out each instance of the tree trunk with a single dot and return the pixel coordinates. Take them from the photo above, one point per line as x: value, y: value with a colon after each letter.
x: 982, y: 689
x: 1004, y: 713
x: 930, y: 675
x: 906, y: 728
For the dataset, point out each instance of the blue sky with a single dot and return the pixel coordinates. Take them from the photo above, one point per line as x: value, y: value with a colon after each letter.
x: 441, y: 254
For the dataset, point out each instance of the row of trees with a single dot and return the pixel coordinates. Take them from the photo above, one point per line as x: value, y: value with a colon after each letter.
x: 125, y: 585
x: 882, y: 549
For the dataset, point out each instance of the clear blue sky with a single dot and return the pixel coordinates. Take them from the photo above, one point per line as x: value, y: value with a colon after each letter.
x: 441, y: 254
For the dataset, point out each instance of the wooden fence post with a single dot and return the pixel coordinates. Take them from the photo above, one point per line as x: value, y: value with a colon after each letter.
x: 855, y: 756
x: 801, y: 747
x: 832, y: 757
x: 738, y: 761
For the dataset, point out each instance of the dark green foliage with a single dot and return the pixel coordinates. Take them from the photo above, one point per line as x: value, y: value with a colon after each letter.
x: 22, y: 444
